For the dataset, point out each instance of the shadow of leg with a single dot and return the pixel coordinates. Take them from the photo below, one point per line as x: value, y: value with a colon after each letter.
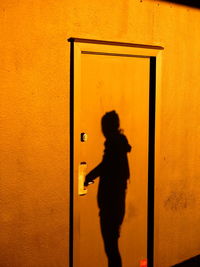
x: 110, y: 233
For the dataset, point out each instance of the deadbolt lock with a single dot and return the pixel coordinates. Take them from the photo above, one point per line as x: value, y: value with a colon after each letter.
x: 84, y: 137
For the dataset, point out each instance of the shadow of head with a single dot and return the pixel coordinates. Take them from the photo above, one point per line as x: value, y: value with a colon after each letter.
x: 110, y: 124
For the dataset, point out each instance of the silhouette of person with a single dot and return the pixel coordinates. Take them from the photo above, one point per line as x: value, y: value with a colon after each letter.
x: 114, y: 173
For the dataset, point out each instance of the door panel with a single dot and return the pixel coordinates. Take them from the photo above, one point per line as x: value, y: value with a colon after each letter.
x: 107, y: 83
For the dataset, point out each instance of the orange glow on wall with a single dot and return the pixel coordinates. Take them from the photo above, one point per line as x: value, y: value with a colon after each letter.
x: 34, y: 138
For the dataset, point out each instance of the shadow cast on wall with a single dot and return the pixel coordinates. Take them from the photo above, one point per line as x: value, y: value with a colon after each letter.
x: 191, y: 3
x: 193, y: 262
x: 114, y: 173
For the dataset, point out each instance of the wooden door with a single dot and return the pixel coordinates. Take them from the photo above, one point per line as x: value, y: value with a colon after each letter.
x: 111, y: 146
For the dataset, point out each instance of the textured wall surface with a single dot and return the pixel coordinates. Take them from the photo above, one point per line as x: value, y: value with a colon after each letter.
x: 34, y: 142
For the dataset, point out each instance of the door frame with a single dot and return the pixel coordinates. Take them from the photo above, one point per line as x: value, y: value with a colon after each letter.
x: 80, y: 46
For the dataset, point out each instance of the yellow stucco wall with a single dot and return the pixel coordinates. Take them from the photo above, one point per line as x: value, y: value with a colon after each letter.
x: 34, y: 163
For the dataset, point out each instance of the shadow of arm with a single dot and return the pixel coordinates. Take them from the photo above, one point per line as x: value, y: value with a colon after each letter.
x: 93, y: 174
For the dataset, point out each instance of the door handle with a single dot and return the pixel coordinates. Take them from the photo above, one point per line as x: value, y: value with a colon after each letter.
x: 81, y: 178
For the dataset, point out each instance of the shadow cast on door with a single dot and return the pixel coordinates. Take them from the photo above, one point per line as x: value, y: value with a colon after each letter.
x: 114, y: 173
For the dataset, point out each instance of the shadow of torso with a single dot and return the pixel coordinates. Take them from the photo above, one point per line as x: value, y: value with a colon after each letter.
x: 113, y: 179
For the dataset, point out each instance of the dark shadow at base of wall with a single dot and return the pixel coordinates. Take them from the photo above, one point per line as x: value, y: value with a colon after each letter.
x: 193, y: 262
